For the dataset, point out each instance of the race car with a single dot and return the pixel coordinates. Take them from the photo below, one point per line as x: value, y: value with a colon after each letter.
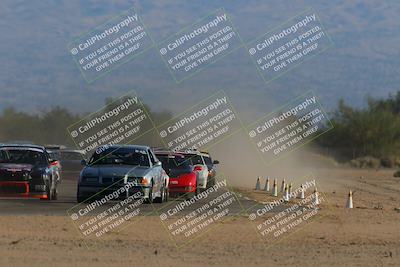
x: 211, y: 168
x: 113, y: 167
x: 28, y: 171
x: 204, y: 165
x: 182, y: 174
x: 69, y: 159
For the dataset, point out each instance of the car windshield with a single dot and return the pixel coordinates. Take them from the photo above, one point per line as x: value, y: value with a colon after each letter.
x: 195, y: 159
x: 175, y: 165
x: 54, y: 155
x: 22, y: 156
x: 126, y: 156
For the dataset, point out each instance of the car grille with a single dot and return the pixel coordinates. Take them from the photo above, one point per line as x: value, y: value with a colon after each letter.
x: 11, y: 176
x: 112, y: 180
x: 14, y: 188
x: 90, y: 179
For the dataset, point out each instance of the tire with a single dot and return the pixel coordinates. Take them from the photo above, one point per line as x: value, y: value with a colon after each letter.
x: 49, y: 192
x: 198, y: 190
x: 166, y: 194
x: 55, y: 194
x: 190, y: 195
x: 163, y: 196
x: 79, y: 198
x: 53, y: 189
x: 211, y: 182
x: 150, y: 199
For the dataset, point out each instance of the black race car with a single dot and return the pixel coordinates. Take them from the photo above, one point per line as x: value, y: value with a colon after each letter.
x: 28, y: 171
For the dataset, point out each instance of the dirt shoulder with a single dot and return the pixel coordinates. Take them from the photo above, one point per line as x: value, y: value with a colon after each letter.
x: 367, y: 235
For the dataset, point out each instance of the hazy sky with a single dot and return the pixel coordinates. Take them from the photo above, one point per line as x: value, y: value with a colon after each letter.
x: 38, y: 71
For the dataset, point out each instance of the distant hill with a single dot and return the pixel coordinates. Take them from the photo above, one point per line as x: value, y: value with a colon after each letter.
x: 36, y: 69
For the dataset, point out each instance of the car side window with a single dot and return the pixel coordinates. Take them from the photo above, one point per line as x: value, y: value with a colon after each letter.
x: 208, y: 162
x: 3, y: 155
x: 153, y: 161
x: 47, y: 157
x: 54, y: 155
x: 197, y: 159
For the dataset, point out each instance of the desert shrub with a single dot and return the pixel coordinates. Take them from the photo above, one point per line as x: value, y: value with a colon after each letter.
x: 388, y: 162
x: 373, y: 130
x: 365, y: 162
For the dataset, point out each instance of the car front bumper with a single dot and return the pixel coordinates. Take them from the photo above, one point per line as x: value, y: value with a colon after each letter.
x: 22, y: 189
x: 176, y: 189
x: 97, y: 192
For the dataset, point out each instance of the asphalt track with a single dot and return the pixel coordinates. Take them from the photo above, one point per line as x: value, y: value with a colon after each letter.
x: 67, y: 200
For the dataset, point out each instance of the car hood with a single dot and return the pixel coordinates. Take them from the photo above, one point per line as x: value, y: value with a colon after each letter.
x: 115, y: 171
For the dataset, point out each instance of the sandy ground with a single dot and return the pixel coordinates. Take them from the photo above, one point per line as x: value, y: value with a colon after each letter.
x: 368, y: 235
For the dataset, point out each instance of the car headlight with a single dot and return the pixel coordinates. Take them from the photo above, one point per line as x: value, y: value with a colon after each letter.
x: 46, y: 176
x: 144, y: 181
x: 26, y: 176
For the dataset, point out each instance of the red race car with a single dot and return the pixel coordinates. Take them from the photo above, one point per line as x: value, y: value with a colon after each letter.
x: 182, y: 174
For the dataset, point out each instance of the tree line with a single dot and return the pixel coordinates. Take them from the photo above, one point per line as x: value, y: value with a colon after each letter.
x: 50, y: 126
x: 373, y: 130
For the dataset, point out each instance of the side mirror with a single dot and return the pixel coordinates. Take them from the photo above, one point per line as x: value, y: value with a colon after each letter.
x: 158, y: 163
x: 83, y: 162
x: 215, y: 162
